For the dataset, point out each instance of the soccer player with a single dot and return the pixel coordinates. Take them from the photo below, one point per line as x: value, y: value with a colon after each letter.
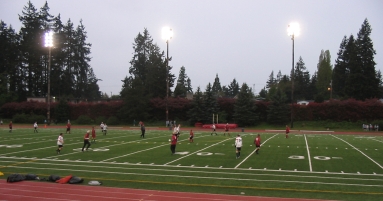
x: 35, y: 126
x: 257, y: 143
x: 142, y: 129
x: 93, y: 135
x: 10, y: 127
x: 191, y: 136
x: 287, y: 131
x: 105, y: 129
x: 60, y: 143
x: 173, y: 143
x: 238, y: 146
x: 213, y: 127
x: 226, y: 129
x: 176, y: 130
x: 68, y: 127
x: 102, y: 127
x: 86, y: 141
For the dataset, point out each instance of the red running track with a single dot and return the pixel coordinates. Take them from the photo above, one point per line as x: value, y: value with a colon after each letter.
x: 37, y: 191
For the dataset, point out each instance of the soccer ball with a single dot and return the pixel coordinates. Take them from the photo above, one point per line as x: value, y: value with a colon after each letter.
x: 169, y: 140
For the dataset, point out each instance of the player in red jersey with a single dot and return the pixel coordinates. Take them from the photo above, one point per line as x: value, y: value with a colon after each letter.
x: 68, y: 127
x: 287, y: 131
x: 257, y: 143
x: 10, y: 127
x: 191, y: 136
x: 173, y: 143
x: 226, y: 129
x: 86, y: 141
x: 93, y: 135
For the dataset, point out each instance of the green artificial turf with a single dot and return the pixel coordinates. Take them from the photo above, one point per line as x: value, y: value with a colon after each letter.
x: 320, y: 166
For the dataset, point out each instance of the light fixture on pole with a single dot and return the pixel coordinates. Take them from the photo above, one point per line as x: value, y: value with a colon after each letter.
x: 167, y: 34
x: 49, y: 44
x: 292, y: 30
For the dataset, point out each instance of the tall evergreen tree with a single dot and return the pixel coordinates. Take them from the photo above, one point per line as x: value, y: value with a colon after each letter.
x: 271, y: 81
x: 197, y: 110
x: 277, y: 112
x: 340, y: 71
x: 136, y: 101
x: 354, y: 72
x: 182, y: 84
x: 244, y: 108
x: 216, y: 89
x: 149, y: 65
x: 367, y: 77
x: 28, y: 60
x: 301, y: 80
x: 210, y: 103
x: 233, y: 88
x: 11, y: 82
x: 324, y: 74
x: 31, y: 48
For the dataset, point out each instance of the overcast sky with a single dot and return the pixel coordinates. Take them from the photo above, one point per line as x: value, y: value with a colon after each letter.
x: 241, y: 39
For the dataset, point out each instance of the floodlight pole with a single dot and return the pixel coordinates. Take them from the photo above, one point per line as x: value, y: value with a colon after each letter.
x: 167, y: 79
x: 49, y: 44
x: 292, y: 85
x: 49, y: 87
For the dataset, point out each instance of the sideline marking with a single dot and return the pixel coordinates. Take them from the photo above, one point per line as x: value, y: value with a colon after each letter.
x: 308, y: 154
x: 209, y: 177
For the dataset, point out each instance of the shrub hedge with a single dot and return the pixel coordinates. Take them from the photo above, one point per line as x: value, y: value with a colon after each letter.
x: 335, y: 110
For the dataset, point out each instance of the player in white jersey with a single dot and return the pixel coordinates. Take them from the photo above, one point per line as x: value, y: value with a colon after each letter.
x: 60, y: 143
x: 35, y: 126
x: 238, y: 146
x: 176, y: 130
x: 102, y: 127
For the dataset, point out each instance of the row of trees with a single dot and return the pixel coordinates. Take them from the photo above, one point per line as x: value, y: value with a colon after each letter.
x: 24, y: 73
x: 353, y: 76
x: 24, y: 59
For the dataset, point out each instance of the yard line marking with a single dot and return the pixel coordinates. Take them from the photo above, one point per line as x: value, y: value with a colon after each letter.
x: 254, y: 151
x: 138, y: 151
x: 308, y: 154
x: 40, y: 149
x: 197, y: 151
x: 359, y: 151
x: 377, y: 140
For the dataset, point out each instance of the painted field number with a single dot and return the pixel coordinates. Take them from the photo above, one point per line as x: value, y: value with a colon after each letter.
x: 323, y: 158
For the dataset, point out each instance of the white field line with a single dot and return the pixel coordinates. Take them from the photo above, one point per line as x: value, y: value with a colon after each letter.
x: 105, y: 146
x: 184, y: 167
x: 377, y: 140
x: 360, y: 152
x: 197, y: 151
x: 42, y: 141
x: 308, y: 154
x: 254, y: 151
x: 199, y: 177
x: 43, y: 148
x: 141, y: 151
x: 202, y: 172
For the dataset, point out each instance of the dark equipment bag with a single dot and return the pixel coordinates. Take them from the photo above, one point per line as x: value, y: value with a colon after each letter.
x: 15, y: 178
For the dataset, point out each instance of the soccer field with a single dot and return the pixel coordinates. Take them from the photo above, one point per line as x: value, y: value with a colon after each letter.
x: 320, y: 166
